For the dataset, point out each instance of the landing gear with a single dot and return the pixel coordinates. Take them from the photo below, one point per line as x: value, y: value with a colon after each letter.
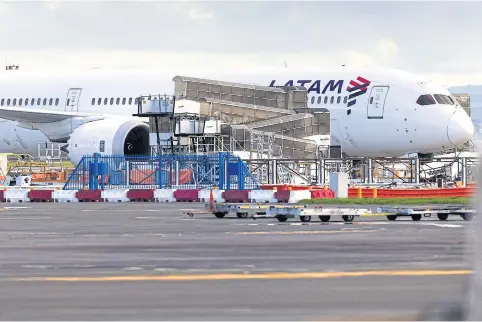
x: 391, y: 217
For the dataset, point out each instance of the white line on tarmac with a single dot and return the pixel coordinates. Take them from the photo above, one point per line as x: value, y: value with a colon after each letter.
x: 442, y: 225
x: 23, y: 218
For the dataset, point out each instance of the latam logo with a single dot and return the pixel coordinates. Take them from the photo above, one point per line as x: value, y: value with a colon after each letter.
x: 359, y: 87
x: 314, y: 86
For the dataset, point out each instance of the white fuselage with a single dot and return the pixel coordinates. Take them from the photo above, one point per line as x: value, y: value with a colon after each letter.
x: 383, y: 119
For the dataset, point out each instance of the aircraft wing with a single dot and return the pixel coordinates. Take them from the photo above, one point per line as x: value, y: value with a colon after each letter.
x: 27, y: 115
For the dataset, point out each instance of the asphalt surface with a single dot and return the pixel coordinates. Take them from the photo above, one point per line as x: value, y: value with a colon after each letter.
x: 150, y: 261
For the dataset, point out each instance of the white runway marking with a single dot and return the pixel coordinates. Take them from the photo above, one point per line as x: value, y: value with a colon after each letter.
x: 23, y: 218
x: 443, y: 225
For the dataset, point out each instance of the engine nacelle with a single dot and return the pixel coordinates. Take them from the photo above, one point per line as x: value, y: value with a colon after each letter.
x: 113, y: 136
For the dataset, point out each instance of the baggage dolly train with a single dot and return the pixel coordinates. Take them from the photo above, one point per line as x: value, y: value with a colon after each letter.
x: 305, y: 213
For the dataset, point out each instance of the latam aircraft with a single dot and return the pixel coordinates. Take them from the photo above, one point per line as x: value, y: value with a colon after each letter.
x: 373, y: 112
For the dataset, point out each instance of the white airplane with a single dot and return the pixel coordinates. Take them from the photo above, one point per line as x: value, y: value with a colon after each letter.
x: 373, y: 112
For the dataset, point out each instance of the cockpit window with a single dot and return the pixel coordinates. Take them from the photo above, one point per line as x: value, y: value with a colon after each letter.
x: 426, y: 100
x: 443, y: 99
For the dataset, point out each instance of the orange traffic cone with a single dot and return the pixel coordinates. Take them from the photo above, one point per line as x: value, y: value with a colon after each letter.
x: 211, y: 200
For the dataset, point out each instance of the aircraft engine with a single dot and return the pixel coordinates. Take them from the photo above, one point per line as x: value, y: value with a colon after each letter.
x: 114, y: 136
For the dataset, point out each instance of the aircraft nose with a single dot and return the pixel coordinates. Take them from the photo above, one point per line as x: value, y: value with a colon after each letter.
x: 460, y: 128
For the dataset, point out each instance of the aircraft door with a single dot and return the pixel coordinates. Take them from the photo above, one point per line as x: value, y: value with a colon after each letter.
x: 72, y: 101
x: 376, y: 102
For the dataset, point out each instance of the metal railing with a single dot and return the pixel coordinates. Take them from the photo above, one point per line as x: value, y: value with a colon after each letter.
x: 222, y: 170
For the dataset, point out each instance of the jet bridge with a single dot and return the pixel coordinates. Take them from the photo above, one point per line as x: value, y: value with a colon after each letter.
x: 297, y: 125
x: 234, y: 112
x: 270, y: 121
x: 288, y: 98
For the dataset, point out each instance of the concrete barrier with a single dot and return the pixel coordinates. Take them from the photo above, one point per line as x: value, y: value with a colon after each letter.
x: 40, y: 195
x: 65, y: 196
x: 17, y: 195
x: 204, y: 196
x: 164, y: 195
x: 264, y: 196
x: 89, y: 195
x: 114, y: 195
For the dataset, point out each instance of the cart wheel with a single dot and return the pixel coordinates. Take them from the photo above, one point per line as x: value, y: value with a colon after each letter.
x: 443, y: 216
x: 281, y: 218
x: 324, y: 218
x: 348, y: 218
x: 467, y: 217
x: 305, y: 218
x: 242, y: 215
x: 219, y: 214
x: 392, y: 217
x: 417, y: 217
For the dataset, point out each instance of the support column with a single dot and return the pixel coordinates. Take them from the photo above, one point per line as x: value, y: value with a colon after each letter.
x: 370, y: 171
x: 176, y: 173
x: 416, y: 165
x: 321, y: 171
x: 274, y: 172
x: 464, y: 172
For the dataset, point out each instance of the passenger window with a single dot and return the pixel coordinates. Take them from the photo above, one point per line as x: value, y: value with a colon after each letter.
x: 26, y: 101
x: 117, y: 101
x: 319, y: 100
x: 14, y: 102
x: 51, y: 101
x: 326, y: 99
x: 93, y: 100
x: 345, y: 99
x: 105, y: 101
x: 20, y: 101
x: 32, y: 101
x: 130, y: 100
x: 426, y: 100
x: 371, y: 100
x: 8, y: 102
x: 2, y: 102
x: 124, y: 101
x: 38, y: 101
x: 68, y: 101
x: 332, y: 99
x: 99, y: 101
x: 111, y: 101
x: 312, y: 100
x: 45, y: 101
x: 57, y: 101
x: 338, y: 100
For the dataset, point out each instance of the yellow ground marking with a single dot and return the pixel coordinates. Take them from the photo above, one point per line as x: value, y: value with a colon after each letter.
x: 247, y: 276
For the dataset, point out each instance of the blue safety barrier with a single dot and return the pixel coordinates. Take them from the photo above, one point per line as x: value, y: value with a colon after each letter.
x: 222, y: 170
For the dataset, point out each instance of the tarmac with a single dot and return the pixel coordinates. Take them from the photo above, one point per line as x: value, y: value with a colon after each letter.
x: 150, y: 261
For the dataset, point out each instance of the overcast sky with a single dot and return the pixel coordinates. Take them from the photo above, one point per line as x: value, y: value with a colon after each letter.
x: 438, y: 39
